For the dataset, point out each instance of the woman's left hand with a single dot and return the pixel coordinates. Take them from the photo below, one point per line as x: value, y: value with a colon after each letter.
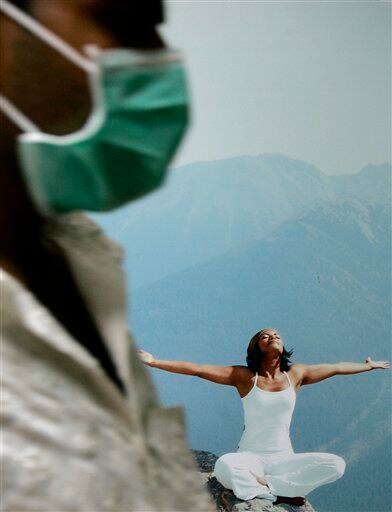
x: 377, y: 364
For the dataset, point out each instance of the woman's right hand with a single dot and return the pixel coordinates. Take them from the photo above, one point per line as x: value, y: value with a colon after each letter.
x: 146, y: 357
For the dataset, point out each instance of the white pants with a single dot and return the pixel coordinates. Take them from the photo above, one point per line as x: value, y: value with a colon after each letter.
x: 287, y: 474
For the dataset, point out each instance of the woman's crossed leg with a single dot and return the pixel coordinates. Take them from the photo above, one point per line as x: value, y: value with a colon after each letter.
x: 241, y: 472
x: 298, y: 474
x: 286, y: 474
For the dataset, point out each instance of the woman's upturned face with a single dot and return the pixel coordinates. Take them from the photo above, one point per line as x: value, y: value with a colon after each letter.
x: 270, y: 340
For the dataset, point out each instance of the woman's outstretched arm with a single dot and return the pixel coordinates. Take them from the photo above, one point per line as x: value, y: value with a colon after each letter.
x: 310, y: 374
x: 183, y: 367
x: 228, y: 375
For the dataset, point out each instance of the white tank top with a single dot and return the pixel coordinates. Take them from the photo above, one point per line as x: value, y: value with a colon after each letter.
x: 267, y: 416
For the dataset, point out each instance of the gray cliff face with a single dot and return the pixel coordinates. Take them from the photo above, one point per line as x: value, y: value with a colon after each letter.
x: 225, y: 500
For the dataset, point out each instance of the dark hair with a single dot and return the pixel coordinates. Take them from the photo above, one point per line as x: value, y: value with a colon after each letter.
x: 254, y: 355
x: 22, y: 4
x: 147, y: 14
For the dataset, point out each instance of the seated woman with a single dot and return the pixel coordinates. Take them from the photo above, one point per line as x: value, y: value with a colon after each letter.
x: 265, y: 464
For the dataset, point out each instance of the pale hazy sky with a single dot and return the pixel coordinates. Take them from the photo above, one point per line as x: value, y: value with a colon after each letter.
x: 307, y: 79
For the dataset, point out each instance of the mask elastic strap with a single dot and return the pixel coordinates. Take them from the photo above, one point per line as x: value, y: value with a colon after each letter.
x: 46, y: 35
x: 15, y: 115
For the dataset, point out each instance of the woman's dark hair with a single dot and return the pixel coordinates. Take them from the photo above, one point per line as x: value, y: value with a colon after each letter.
x: 22, y: 4
x: 254, y: 355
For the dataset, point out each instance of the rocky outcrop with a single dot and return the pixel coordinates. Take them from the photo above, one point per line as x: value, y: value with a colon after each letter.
x: 225, y: 500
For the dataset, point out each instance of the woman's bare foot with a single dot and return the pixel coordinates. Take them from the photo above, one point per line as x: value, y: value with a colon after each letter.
x: 297, y: 500
x: 261, y: 480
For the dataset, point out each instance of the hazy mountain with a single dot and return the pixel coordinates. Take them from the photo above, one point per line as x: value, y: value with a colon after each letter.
x: 209, y: 208
x: 231, y: 246
x: 372, y: 183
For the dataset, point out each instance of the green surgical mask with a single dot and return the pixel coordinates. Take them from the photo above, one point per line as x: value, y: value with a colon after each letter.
x: 140, y: 113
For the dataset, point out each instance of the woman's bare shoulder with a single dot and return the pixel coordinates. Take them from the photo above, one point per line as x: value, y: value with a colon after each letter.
x: 296, y: 372
x: 242, y: 373
x: 243, y: 379
x: 297, y: 368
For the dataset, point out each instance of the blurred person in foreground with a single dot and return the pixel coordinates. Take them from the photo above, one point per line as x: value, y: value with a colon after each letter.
x: 81, y: 425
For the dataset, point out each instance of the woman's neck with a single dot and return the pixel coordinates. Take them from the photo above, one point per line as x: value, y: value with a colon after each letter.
x: 270, y: 368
